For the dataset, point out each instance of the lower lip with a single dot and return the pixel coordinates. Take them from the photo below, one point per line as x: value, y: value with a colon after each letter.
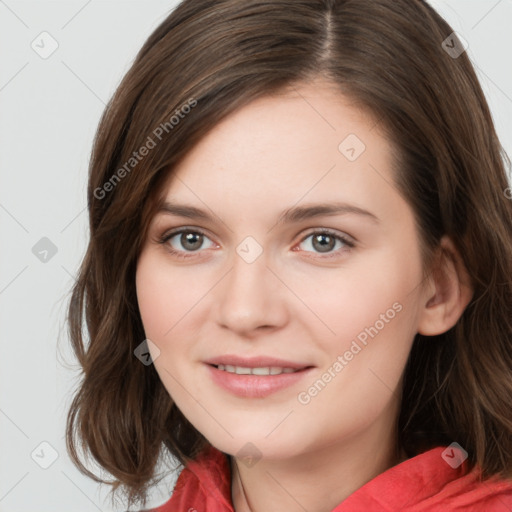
x: 255, y: 386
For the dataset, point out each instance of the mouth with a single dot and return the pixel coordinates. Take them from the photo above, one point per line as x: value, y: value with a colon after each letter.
x: 262, y: 370
x: 256, y: 377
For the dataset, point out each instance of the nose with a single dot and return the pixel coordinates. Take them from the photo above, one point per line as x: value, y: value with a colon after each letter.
x: 251, y: 298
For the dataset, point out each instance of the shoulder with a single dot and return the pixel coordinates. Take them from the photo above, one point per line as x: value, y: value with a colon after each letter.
x: 471, y: 494
x: 427, y: 483
x: 459, y: 489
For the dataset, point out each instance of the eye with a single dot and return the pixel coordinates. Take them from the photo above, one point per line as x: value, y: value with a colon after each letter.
x: 185, y: 241
x: 326, y: 241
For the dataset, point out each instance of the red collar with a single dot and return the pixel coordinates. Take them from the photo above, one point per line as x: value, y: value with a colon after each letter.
x: 420, y: 484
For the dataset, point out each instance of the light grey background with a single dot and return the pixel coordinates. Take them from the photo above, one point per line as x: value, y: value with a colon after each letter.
x: 50, y: 109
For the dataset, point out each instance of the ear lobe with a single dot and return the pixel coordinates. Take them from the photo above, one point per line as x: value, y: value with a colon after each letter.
x: 449, y: 294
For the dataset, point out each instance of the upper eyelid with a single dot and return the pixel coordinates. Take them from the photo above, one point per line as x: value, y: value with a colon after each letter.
x: 168, y: 234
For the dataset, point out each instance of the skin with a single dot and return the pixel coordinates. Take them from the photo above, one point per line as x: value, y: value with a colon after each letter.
x: 293, y: 302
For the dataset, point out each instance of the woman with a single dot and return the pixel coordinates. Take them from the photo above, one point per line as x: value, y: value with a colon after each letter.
x: 337, y: 334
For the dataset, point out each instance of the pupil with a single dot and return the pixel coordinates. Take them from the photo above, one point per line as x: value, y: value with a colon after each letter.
x: 194, y: 239
x: 323, y: 247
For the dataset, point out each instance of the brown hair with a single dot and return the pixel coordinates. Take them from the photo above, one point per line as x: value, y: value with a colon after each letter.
x: 216, y: 56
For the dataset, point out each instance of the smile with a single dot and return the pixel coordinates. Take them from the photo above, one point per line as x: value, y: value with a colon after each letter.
x: 266, y: 370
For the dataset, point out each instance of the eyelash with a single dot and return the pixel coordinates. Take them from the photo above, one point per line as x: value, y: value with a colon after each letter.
x: 190, y: 254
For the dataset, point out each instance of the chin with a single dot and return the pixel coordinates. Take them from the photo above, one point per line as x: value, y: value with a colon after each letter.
x: 257, y: 446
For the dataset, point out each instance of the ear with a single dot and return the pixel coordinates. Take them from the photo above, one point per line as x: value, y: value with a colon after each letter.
x: 447, y: 293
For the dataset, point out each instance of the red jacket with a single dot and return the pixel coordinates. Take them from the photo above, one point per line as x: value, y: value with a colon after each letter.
x: 420, y: 484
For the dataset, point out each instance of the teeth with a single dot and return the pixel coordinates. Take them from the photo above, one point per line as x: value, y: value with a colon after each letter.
x: 240, y: 370
x: 261, y: 371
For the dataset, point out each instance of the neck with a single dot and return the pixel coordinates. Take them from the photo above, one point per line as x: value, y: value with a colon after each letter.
x: 316, y: 481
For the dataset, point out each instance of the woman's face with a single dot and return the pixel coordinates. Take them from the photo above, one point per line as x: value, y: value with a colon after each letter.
x: 299, y: 254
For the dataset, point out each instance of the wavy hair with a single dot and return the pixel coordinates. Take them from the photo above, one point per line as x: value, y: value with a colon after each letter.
x: 388, y: 56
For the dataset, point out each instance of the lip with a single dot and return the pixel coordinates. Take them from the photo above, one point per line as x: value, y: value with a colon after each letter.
x: 255, y: 386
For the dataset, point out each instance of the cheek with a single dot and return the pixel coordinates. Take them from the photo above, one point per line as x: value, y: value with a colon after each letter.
x: 373, y: 298
x: 170, y: 302
x: 164, y: 295
x: 164, y: 299
x: 363, y: 364
x: 152, y: 295
x: 372, y: 319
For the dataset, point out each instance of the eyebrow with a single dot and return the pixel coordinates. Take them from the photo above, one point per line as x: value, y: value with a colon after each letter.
x: 291, y: 215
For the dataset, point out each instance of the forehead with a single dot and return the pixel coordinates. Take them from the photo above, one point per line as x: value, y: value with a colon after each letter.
x: 287, y: 140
